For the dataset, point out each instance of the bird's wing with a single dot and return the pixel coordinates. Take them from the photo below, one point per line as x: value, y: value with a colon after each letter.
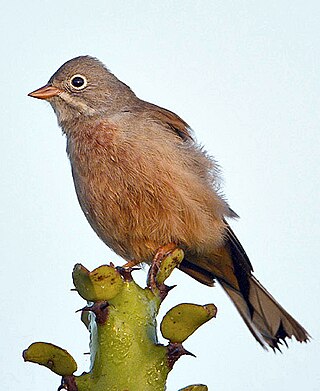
x: 237, y: 250
x: 172, y: 121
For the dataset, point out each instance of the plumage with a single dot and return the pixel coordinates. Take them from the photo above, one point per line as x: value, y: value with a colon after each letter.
x: 143, y: 182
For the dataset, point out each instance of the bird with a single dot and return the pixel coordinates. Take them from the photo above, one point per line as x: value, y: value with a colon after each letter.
x: 143, y: 182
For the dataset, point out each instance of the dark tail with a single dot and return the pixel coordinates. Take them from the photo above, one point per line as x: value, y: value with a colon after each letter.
x: 268, y: 322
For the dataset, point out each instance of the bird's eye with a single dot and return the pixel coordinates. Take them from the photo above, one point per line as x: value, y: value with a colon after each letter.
x: 78, y: 82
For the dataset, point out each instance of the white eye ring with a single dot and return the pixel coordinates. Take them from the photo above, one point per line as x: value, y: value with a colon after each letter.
x: 78, y: 82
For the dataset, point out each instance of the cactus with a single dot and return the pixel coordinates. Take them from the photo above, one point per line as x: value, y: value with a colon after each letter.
x: 121, y: 319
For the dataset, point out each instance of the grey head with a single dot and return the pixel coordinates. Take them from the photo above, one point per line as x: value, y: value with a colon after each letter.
x: 83, y: 87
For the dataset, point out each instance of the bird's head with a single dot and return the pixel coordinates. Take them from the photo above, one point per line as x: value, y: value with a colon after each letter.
x: 83, y: 87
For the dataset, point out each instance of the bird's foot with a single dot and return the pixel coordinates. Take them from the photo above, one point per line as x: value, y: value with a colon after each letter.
x: 152, y: 280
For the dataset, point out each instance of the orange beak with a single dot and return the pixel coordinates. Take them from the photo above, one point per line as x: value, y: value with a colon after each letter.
x: 46, y: 92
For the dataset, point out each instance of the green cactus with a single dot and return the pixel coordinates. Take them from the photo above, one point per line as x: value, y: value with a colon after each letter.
x: 121, y: 319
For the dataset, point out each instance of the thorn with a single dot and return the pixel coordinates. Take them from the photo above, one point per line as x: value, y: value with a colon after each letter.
x: 100, y: 309
x: 187, y: 353
x: 126, y: 272
x: 68, y: 383
x: 86, y: 308
x: 175, y: 351
x: 164, y: 290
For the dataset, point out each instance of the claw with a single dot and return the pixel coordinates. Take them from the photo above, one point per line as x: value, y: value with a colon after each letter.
x: 161, y: 267
x: 131, y: 264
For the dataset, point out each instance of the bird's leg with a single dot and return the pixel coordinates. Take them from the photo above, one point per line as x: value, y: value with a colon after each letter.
x: 162, y: 253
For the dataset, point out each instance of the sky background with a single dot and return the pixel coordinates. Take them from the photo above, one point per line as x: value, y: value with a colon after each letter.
x: 245, y: 76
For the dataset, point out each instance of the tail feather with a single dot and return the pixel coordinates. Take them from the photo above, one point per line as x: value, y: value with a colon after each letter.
x: 269, y: 323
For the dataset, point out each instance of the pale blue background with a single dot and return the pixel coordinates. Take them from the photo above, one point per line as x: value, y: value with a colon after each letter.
x: 245, y: 75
